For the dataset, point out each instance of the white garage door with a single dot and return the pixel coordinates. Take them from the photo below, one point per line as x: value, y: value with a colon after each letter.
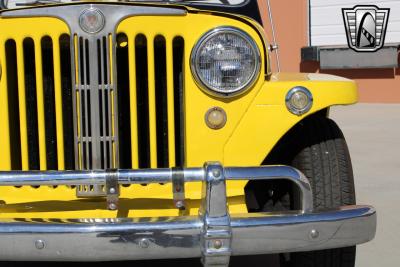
x: 327, y: 27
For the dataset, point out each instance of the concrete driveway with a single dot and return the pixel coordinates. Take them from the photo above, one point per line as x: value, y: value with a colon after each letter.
x: 373, y: 135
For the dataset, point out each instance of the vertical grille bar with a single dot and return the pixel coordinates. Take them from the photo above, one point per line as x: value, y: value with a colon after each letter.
x: 109, y: 98
x: 179, y: 55
x: 161, y: 101
x: 59, y: 104
x: 103, y: 82
x: 123, y: 100
x: 142, y: 98
x: 93, y: 110
x: 133, y: 102
x: 10, y: 73
x: 22, y: 107
x: 170, y: 100
x: 49, y: 103
x: 75, y: 57
x: 31, y: 103
x: 152, y: 102
x: 40, y: 104
x: 68, y: 102
x: 80, y: 101
x: 107, y: 107
x: 114, y: 102
x: 85, y: 103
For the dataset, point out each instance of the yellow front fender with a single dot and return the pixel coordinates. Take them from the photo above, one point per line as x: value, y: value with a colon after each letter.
x: 267, y: 118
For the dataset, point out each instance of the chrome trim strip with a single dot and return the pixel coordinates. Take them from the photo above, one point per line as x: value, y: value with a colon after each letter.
x: 88, y: 91
x: 276, y: 172
x: 112, y: 88
x: 75, y: 67
x: 346, y: 226
x: 103, y: 89
x: 113, y: 13
x: 179, y: 237
x: 147, y: 176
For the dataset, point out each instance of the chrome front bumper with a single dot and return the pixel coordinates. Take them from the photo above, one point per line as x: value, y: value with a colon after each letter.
x: 214, y: 235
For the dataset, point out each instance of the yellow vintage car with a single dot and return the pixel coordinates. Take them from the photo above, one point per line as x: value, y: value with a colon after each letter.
x: 157, y: 129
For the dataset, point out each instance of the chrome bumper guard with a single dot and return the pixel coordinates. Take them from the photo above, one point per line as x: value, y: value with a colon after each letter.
x: 214, y: 235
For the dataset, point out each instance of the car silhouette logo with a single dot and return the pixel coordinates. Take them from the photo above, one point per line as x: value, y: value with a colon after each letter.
x: 365, y: 27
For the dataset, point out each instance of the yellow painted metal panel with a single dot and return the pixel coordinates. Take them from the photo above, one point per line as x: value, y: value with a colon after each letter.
x: 152, y: 101
x: 17, y: 30
x: 252, y: 116
x: 59, y: 109
x: 202, y: 143
x: 40, y: 104
x: 170, y: 102
x: 135, y: 201
x: 268, y: 119
x: 22, y: 106
x: 133, y: 102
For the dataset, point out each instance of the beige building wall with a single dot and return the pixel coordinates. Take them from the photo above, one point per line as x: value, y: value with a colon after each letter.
x: 291, y: 27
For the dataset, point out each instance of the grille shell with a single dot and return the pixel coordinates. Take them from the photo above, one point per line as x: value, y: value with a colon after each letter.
x: 95, y: 98
x: 201, y: 143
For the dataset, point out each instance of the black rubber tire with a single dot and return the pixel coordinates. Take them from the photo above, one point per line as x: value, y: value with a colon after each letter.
x: 322, y: 155
x: 316, y: 146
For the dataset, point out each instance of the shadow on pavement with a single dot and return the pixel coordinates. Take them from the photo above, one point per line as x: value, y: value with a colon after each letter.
x: 253, y: 261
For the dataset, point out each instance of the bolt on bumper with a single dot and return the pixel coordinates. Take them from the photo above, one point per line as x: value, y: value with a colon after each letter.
x: 214, y: 235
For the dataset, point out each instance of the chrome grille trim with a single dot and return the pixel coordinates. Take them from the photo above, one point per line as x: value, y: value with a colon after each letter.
x: 95, y: 140
x: 104, y: 88
x: 108, y: 93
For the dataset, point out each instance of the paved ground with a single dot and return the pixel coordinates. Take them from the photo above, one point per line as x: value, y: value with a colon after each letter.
x: 373, y: 135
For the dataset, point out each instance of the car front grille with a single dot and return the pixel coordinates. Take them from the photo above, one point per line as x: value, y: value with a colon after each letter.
x: 111, y: 102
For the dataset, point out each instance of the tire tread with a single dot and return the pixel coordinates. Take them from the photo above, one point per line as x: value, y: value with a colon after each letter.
x: 324, y: 158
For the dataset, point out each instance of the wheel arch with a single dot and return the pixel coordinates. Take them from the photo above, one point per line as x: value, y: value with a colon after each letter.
x: 276, y: 155
x: 267, y: 119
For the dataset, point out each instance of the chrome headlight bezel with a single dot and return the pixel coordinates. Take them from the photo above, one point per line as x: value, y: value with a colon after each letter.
x: 215, y: 91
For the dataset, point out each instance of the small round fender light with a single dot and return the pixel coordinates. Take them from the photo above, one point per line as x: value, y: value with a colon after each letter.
x: 215, y: 118
x: 299, y: 100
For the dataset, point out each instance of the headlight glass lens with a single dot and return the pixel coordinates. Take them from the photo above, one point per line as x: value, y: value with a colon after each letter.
x: 226, y: 61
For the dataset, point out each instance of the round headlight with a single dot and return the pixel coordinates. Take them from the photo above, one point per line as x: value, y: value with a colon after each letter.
x: 226, y: 61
